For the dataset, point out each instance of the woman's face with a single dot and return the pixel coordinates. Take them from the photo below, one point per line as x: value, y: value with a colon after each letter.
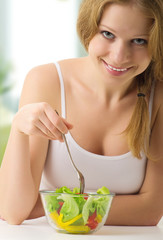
x: 119, y: 49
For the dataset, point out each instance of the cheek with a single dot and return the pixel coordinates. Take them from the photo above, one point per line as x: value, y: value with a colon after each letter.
x: 143, y: 59
x: 146, y: 63
x: 96, y: 47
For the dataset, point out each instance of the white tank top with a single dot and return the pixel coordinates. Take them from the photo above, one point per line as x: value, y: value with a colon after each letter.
x: 122, y: 174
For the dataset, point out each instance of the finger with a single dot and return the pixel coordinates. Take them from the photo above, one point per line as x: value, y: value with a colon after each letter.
x: 38, y: 130
x: 44, y: 131
x: 68, y: 125
x: 42, y: 134
x: 50, y: 127
x: 56, y: 120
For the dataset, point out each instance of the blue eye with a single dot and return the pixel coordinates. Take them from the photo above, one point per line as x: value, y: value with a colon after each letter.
x: 107, y: 34
x: 140, y: 41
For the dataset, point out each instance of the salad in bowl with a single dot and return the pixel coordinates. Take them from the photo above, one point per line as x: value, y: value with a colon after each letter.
x: 71, y: 212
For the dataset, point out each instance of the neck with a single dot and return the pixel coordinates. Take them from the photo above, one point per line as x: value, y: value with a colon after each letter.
x: 110, y: 90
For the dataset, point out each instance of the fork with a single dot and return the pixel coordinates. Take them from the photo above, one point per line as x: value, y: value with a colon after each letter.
x: 79, y: 174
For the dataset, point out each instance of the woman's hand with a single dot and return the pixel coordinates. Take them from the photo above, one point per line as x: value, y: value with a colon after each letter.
x: 40, y: 119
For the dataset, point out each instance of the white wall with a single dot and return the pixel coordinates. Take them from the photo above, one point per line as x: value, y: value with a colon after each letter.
x: 41, y: 31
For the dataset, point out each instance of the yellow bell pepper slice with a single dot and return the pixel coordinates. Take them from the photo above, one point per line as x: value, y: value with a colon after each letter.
x: 77, y: 229
x: 54, y: 215
x: 98, y: 218
x: 71, y: 229
x: 64, y: 224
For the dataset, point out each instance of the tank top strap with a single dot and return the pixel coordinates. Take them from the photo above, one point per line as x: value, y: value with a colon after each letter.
x: 63, y: 101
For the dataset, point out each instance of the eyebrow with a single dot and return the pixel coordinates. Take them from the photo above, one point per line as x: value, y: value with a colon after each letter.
x: 112, y: 30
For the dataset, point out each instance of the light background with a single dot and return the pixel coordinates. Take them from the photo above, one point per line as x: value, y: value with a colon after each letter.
x: 33, y: 32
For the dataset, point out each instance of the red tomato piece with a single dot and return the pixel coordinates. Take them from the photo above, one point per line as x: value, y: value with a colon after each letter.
x: 59, y: 209
x: 92, y: 222
x: 85, y: 196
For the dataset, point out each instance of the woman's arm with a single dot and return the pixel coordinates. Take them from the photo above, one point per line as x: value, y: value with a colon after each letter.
x: 18, y: 184
x: 35, y: 123
x: 146, y: 207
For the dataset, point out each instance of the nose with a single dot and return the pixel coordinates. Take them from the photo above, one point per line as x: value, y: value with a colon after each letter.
x: 120, y: 53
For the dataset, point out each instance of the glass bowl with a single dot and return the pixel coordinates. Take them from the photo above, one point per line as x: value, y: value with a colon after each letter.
x: 76, y: 213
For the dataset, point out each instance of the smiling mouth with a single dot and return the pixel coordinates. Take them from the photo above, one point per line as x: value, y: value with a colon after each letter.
x: 116, y: 69
x: 110, y: 67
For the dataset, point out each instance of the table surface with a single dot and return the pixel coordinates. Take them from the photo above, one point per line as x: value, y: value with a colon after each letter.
x: 39, y: 229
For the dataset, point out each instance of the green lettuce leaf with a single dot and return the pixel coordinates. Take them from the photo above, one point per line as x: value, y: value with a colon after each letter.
x: 63, y: 190
x: 101, y: 205
x: 76, y: 190
x: 103, y: 190
x: 88, y: 208
x: 70, y: 208
x: 51, y: 203
x: 80, y: 202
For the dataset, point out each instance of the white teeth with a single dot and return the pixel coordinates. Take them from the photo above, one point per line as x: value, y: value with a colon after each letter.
x: 117, y: 69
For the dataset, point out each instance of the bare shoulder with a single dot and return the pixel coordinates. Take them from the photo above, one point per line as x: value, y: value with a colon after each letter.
x: 75, y: 71
x: 73, y: 66
x: 41, y: 85
x: 42, y: 82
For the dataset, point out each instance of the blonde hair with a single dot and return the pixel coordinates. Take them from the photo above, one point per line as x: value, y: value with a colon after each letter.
x: 90, y: 13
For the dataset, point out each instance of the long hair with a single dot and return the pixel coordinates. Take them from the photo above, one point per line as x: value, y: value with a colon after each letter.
x: 90, y: 13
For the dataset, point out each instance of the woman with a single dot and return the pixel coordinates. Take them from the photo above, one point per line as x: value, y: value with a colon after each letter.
x: 111, y: 105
